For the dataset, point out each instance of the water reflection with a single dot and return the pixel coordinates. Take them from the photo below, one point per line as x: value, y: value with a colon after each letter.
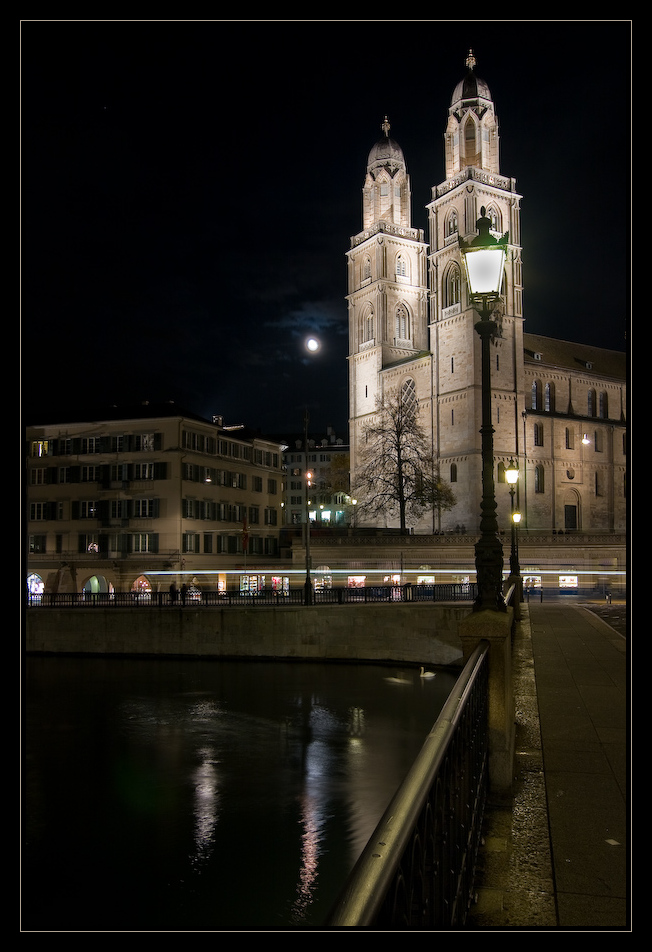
x: 206, y: 796
x: 206, y: 806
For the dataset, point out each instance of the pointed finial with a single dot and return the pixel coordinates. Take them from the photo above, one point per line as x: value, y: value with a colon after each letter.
x: 385, y: 126
x: 470, y: 60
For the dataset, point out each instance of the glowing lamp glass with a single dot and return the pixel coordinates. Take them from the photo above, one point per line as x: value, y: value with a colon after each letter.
x: 484, y: 268
x: 511, y: 474
x: 516, y: 516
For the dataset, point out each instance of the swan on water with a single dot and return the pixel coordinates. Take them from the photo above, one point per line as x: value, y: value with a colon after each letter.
x: 426, y: 674
x: 398, y: 680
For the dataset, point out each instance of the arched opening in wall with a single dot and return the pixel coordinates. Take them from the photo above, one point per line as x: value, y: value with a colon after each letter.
x: 323, y: 578
x: 572, y: 510
x: 495, y: 218
x: 470, y: 147
x: 141, y: 586
x: 402, y: 323
x: 409, y: 399
x: 97, y: 585
x: 451, y: 285
x: 35, y: 585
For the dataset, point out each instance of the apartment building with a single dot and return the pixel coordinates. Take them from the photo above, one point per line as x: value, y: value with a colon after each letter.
x: 136, y: 500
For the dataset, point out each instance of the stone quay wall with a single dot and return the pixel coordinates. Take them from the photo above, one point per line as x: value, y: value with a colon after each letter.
x: 394, y: 632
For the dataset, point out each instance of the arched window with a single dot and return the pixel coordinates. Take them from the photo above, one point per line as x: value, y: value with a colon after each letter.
x: 366, y: 268
x: 604, y: 405
x: 451, y: 224
x: 591, y: 403
x: 452, y: 284
x: 453, y: 478
x: 535, y: 401
x: 539, y: 481
x: 409, y: 401
x: 402, y: 322
x: 550, y: 398
x: 368, y: 325
x: 402, y: 269
x: 470, y: 151
x: 538, y: 434
x: 494, y: 216
x: 570, y: 439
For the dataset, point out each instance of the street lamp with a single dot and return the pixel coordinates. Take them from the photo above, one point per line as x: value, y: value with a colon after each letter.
x: 484, y: 262
x: 511, y: 475
x: 307, y: 589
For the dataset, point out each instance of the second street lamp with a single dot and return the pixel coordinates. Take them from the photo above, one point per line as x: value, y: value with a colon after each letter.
x: 511, y: 475
x: 484, y: 262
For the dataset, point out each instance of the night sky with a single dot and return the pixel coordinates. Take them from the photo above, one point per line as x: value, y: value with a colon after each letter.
x: 189, y: 191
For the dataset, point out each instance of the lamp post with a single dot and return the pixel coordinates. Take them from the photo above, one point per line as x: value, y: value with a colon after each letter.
x: 484, y: 261
x: 307, y: 588
x: 511, y: 475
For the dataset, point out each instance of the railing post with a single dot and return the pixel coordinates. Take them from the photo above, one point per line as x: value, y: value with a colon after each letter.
x: 495, y: 627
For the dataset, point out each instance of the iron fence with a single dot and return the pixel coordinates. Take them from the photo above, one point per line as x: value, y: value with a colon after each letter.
x: 195, y: 598
x: 418, y: 869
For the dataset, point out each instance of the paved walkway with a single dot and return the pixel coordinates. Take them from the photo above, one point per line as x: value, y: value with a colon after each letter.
x: 557, y: 856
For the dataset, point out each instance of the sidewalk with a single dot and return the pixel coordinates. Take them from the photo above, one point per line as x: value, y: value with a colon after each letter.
x: 557, y: 856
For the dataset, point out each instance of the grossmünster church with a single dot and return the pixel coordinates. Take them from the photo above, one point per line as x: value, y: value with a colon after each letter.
x: 558, y: 407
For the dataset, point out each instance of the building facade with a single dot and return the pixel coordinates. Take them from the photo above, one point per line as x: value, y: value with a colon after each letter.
x: 133, y: 503
x: 412, y: 331
x: 317, y: 481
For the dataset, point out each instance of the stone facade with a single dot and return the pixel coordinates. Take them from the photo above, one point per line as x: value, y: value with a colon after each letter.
x: 410, y: 320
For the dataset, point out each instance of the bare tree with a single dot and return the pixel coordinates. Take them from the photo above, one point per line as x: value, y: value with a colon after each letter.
x: 397, y: 475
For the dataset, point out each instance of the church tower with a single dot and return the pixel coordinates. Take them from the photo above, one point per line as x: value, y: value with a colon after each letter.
x: 387, y: 283
x: 557, y: 407
x: 473, y: 181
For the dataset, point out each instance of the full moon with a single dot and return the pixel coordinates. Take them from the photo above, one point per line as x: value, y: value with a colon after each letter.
x: 312, y: 344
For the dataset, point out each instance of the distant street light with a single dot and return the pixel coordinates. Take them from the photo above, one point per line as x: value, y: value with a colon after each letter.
x: 484, y: 262
x: 307, y: 590
x: 511, y: 475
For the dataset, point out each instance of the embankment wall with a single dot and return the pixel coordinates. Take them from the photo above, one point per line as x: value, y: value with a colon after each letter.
x: 425, y: 634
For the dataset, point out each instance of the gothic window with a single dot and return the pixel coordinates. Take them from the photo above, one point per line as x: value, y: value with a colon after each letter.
x: 469, y: 143
x: 604, y: 405
x: 535, y: 402
x: 495, y: 219
x: 550, y: 398
x: 401, y: 266
x: 570, y: 442
x: 453, y: 478
x: 402, y: 322
x: 451, y: 287
x: 409, y: 396
x: 591, y: 407
x: 452, y: 224
x: 366, y: 268
x: 538, y: 434
x: 539, y: 482
x: 368, y: 325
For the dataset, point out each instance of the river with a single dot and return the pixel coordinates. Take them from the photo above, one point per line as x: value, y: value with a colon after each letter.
x: 193, y: 796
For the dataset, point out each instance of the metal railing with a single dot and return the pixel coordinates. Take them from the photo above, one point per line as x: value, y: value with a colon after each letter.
x: 202, y: 599
x: 418, y: 869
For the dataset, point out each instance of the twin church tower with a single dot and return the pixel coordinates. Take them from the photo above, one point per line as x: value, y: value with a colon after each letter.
x: 411, y: 329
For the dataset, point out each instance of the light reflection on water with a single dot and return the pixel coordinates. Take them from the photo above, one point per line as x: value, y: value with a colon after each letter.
x: 206, y: 796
